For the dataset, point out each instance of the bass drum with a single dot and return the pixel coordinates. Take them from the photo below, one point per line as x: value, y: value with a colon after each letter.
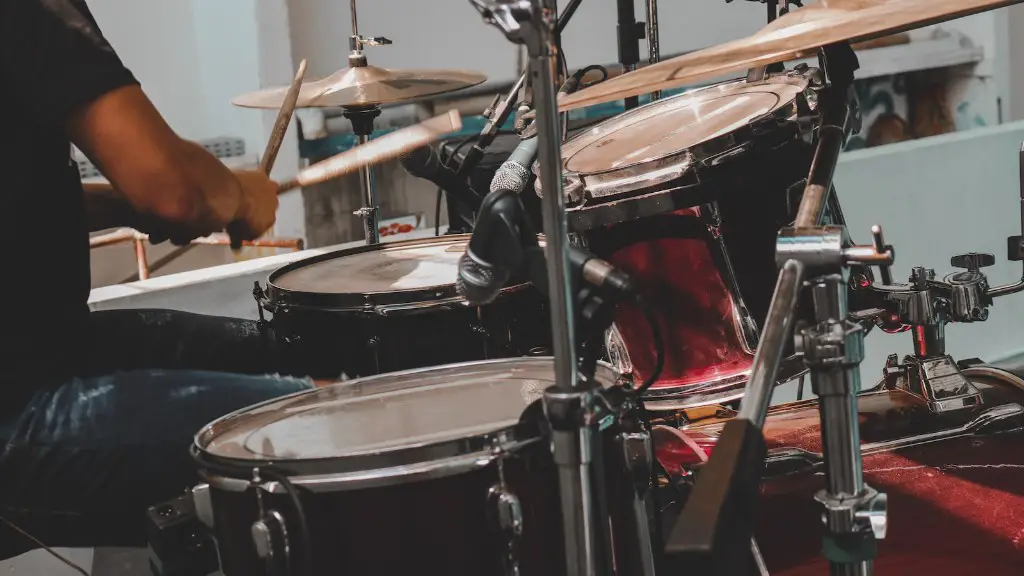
x: 955, y: 481
x: 445, y: 470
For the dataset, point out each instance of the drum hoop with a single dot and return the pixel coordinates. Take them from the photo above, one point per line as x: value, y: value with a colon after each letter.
x: 391, y: 466
x: 383, y: 302
x: 674, y: 166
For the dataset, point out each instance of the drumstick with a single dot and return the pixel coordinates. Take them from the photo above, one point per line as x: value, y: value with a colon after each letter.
x: 284, y: 118
x: 376, y: 151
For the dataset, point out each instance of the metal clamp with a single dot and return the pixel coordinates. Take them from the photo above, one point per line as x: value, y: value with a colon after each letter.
x: 864, y: 512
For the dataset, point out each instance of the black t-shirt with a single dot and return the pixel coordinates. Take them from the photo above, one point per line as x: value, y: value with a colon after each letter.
x: 53, y: 60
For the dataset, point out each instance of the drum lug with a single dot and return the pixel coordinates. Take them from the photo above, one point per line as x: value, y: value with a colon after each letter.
x: 203, y: 504
x: 270, y: 538
x: 508, y: 512
x: 636, y: 447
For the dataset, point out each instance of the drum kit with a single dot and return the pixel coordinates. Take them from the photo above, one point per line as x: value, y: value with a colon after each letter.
x: 596, y: 400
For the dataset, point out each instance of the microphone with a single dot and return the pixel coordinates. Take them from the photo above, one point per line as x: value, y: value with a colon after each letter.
x: 503, y: 241
x: 425, y: 163
x: 514, y: 174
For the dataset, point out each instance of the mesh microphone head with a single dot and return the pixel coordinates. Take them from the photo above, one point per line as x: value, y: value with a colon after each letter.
x: 511, y: 176
x: 421, y: 162
x: 477, y: 282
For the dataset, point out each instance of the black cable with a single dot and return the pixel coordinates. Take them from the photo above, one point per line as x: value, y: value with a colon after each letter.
x: 445, y: 161
x: 437, y: 212
x: 306, y: 555
x: 659, y: 346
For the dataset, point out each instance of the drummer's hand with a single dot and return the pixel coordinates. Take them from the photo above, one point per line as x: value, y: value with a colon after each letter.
x: 258, y: 209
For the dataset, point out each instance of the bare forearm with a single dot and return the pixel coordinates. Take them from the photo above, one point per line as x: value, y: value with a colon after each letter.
x: 153, y: 169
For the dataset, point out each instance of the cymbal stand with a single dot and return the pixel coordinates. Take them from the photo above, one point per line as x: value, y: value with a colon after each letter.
x: 653, y: 40
x: 571, y: 405
x: 362, y: 125
x: 629, y: 34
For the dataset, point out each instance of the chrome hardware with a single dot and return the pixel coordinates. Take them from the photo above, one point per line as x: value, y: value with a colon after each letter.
x: 861, y: 513
x: 618, y: 357
x: 937, y: 380
x: 884, y: 270
x: 969, y: 299
x: 270, y: 539
x: 262, y: 540
x: 509, y: 515
x: 203, y: 504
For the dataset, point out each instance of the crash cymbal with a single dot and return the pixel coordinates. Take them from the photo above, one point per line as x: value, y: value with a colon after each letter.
x: 797, y: 34
x: 365, y: 86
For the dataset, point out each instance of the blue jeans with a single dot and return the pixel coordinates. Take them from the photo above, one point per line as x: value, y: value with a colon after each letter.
x: 81, y: 462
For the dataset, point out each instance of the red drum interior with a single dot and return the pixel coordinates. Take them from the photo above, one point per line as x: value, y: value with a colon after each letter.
x: 956, y: 505
x: 680, y: 280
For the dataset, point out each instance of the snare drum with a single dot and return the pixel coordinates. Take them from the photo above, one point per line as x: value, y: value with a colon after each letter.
x: 432, y: 471
x: 954, y: 481
x: 687, y: 194
x: 393, y: 306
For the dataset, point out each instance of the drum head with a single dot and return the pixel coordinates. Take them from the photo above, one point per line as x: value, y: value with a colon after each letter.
x: 392, y: 420
x: 395, y: 273
x: 417, y: 267
x: 658, y: 142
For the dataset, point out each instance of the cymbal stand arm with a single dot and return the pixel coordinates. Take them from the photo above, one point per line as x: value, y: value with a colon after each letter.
x: 653, y: 40
x: 629, y: 33
x: 571, y: 404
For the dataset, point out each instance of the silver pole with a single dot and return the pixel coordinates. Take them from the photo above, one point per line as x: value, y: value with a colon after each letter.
x: 368, y: 212
x: 543, y: 68
x: 355, y: 24
x: 777, y: 329
x: 653, y: 45
x: 572, y: 447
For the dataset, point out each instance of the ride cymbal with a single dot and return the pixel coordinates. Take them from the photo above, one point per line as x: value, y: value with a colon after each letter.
x: 795, y: 35
x: 365, y: 86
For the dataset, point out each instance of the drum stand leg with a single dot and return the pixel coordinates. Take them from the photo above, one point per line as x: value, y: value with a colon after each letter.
x: 855, y: 514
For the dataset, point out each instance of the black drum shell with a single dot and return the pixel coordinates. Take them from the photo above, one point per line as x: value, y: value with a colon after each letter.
x: 325, y: 343
x: 442, y: 525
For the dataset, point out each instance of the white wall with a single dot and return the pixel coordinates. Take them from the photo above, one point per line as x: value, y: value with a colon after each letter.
x: 193, y: 56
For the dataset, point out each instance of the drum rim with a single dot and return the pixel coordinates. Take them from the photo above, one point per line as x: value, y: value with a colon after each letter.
x: 615, y: 183
x: 391, y: 466
x: 280, y: 298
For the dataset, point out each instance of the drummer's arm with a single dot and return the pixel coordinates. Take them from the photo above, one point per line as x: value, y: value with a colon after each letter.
x: 153, y: 172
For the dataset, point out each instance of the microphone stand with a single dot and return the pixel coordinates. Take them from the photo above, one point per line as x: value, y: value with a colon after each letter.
x: 498, y: 113
x: 570, y: 404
